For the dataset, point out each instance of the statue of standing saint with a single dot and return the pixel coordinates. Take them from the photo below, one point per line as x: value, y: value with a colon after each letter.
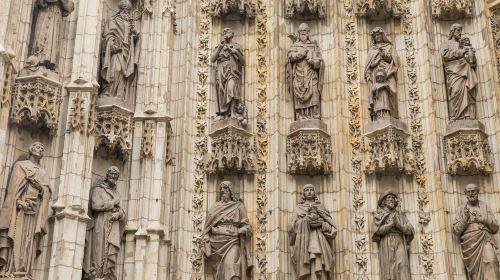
x: 46, y: 45
x: 393, y: 233
x: 459, y: 60
x: 121, y: 43
x: 225, y: 236
x: 229, y: 60
x: 304, y: 74
x: 105, y: 231
x: 311, y: 231
x: 23, y: 215
x: 380, y: 73
x: 476, y: 225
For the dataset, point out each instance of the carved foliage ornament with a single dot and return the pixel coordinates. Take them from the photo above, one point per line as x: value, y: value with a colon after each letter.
x: 451, y: 9
x: 148, y: 134
x: 379, y: 9
x: 495, y: 30
x: 113, y: 132
x: 77, y: 117
x: 468, y: 153
x: 36, y: 103
x: 220, y: 8
x: 309, y: 153
x: 305, y: 9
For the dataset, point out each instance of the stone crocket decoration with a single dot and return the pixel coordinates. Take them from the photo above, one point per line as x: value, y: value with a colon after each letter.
x: 311, y: 231
x: 121, y: 53
x: 381, y: 73
x: 225, y: 236
x: 46, y: 45
x: 23, y: 216
x: 304, y: 74
x: 229, y: 60
x: 393, y: 233
x: 106, y: 228
x: 475, y: 224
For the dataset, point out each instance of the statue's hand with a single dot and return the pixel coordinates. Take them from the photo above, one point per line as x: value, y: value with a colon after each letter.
x: 326, y: 227
x: 115, y: 216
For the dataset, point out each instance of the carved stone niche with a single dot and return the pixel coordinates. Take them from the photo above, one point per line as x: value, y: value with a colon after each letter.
x: 305, y: 9
x: 232, y: 149
x: 222, y: 8
x: 379, y: 9
x: 36, y: 100
x: 451, y: 9
x: 114, y: 126
x: 309, y: 148
x: 466, y: 148
x: 386, y: 148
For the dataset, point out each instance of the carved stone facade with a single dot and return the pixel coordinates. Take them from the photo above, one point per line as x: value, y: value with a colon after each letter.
x: 452, y: 9
x: 114, y: 126
x: 379, y: 9
x: 221, y: 8
x: 305, y: 9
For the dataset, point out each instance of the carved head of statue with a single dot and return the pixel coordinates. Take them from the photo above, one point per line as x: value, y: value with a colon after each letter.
x: 472, y: 193
x: 36, y: 150
x: 308, y: 193
x: 378, y: 36
x: 388, y: 200
x: 456, y: 31
x: 304, y: 32
x: 464, y: 42
x: 125, y: 5
x: 227, y: 34
x: 226, y: 191
x: 380, y: 75
x: 112, y: 175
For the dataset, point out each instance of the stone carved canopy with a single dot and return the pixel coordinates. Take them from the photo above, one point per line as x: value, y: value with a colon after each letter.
x: 379, y: 9
x: 113, y: 131
x: 244, y: 8
x: 451, y: 9
x: 305, y: 9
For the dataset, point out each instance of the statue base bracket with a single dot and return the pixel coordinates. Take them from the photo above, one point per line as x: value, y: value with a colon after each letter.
x: 114, y: 127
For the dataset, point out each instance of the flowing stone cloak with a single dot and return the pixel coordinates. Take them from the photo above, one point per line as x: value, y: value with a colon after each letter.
x: 304, y: 80
x: 20, y: 230
x: 477, y: 242
x: 393, y: 249
x: 46, y: 44
x: 224, y: 250
x: 375, y: 63
x: 118, y: 69
x: 228, y: 76
x: 461, y: 82
x: 103, y: 235
x: 311, y: 248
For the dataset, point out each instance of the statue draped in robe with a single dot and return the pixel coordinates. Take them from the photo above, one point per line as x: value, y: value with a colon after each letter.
x: 225, y: 236
x: 23, y: 215
x: 121, y: 53
x: 304, y: 74
x: 393, y: 233
x: 105, y: 231
x: 461, y: 80
x: 46, y: 45
x: 475, y: 224
x: 311, y: 232
x: 381, y: 73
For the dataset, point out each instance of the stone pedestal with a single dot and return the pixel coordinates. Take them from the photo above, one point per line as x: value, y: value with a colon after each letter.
x: 232, y: 148
x: 113, y: 133
x: 379, y: 9
x: 387, y: 148
x: 305, y: 9
x: 309, y: 148
x: 451, y: 9
x: 37, y: 95
x: 466, y: 148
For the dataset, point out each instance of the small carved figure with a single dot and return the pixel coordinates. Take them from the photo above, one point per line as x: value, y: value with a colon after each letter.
x: 23, y: 216
x: 229, y: 60
x: 121, y: 53
x: 105, y: 230
x: 393, y: 233
x: 311, y: 231
x: 381, y: 74
x: 304, y: 74
x: 46, y: 45
x: 225, y: 236
x: 459, y: 60
x: 476, y: 225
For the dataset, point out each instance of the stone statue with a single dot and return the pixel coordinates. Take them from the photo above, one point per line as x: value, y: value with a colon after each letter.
x: 23, y: 216
x: 105, y: 231
x: 381, y: 73
x: 225, y: 236
x: 311, y: 232
x: 459, y: 60
x: 46, y: 45
x: 121, y: 51
x: 393, y: 233
x: 229, y: 60
x: 476, y: 225
x: 304, y: 74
